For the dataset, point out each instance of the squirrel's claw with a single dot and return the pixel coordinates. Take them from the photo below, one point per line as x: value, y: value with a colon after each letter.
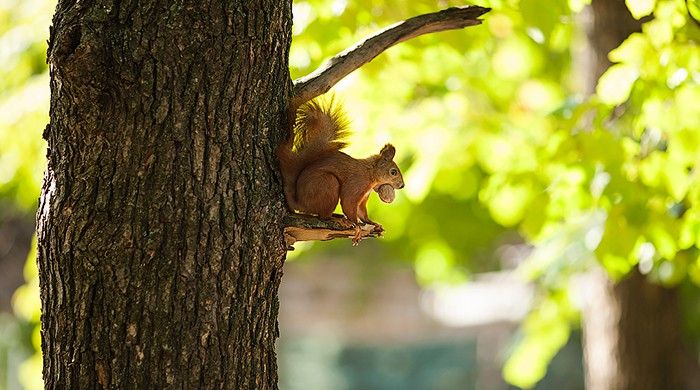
x: 348, y: 224
x: 358, y: 235
x: 377, y: 227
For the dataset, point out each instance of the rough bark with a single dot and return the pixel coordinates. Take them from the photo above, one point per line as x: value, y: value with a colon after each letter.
x: 632, y: 329
x: 160, y: 223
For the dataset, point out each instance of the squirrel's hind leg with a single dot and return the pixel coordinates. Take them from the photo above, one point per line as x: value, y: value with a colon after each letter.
x: 350, y: 204
x: 318, y: 192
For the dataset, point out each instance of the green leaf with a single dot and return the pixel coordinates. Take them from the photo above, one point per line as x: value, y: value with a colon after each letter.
x: 632, y: 51
x: 615, y: 251
x: 651, y: 169
x: 689, y: 230
x: 545, y: 330
x: 638, y: 52
x: 676, y: 178
x: 694, y: 271
x: 434, y: 263
x: 686, y: 103
x: 535, y: 217
x: 664, y: 240
x: 616, y: 83
x: 544, y: 18
x: 640, y: 8
x: 659, y: 32
x: 506, y: 201
x: 693, y: 8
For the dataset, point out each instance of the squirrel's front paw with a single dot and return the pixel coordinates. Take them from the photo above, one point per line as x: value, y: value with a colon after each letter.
x: 377, y: 227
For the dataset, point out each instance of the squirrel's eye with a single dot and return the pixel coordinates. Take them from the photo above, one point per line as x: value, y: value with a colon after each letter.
x: 393, y: 171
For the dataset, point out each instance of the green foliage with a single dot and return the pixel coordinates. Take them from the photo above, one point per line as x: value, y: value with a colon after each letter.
x: 546, y: 331
x: 27, y: 307
x: 24, y: 107
x: 494, y: 132
x: 640, y: 8
x: 24, y: 99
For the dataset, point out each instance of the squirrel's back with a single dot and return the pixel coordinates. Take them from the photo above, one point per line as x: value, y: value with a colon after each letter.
x: 319, y: 130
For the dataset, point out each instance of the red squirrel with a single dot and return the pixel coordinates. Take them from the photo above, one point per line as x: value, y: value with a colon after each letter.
x: 317, y: 174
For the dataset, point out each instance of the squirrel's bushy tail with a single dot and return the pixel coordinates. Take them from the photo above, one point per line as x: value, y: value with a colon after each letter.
x: 320, y: 129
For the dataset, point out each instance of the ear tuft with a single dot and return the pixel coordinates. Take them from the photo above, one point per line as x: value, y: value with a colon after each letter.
x: 388, y: 152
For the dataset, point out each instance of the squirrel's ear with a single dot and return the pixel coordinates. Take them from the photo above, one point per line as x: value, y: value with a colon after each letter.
x: 388, y: 152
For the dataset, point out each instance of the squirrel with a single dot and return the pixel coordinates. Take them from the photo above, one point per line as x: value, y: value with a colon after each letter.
x: 317, y: 174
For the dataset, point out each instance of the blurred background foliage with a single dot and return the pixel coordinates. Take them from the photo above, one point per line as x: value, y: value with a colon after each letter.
x: 24, y: 107
x: 498, y: 141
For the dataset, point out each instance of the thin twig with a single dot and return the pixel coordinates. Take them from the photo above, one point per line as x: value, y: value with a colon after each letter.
x: 322, y: 79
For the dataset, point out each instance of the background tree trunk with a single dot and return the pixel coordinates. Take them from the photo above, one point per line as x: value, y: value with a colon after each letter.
x: 632, y: 329
x: 160, y: 237
x: 632, y: 336
x: 16, y: 229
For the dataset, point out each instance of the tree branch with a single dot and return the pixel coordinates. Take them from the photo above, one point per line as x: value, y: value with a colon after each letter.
x: 322, y: 79
x: 300, y: 227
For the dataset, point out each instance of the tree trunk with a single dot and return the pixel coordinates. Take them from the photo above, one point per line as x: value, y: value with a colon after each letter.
x: 160, y: 236
x: 632, y: 336
x: 632, y: 329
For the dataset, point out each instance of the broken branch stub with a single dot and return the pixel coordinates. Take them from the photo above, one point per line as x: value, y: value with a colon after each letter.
x: 299, y: 227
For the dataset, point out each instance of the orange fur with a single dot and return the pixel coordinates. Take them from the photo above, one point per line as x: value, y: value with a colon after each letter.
x: 317, y: 174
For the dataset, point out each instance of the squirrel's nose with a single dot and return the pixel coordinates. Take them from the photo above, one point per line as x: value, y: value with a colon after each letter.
x: 401, y: 186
